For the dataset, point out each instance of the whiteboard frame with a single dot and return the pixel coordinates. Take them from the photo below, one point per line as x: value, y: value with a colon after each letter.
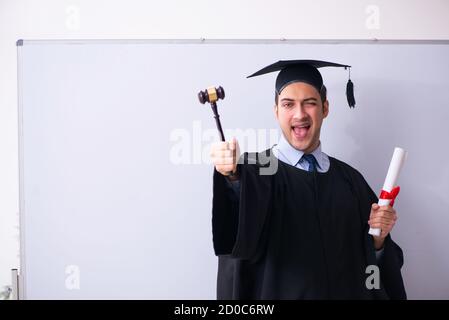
x: 26, y: 42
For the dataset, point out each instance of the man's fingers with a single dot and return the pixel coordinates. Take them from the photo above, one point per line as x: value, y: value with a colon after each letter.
x: 228, y: 153
x: 387, y: 208
x: 382, y: 213
x: 224, y: 157
x: 382, y: 220
x: 377, y: 221
x: 222, y: 145
x: 382, y: 217
x: 222, y: 154
x: 233, y: 144
x: 217, y: 148
x: 384, y: 227
x: 224, y: 161
x: 380, y: 224
x: 385, y: 215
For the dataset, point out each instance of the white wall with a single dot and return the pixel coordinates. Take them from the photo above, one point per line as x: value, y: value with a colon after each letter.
x: 82, y: 19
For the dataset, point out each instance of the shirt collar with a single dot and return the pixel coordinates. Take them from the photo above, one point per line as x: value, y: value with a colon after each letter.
x: 293, y: 155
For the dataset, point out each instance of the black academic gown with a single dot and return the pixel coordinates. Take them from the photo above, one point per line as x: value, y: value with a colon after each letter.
x: 299, y: 235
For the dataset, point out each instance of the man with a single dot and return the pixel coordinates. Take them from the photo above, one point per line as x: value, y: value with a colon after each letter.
x: 301, y: 230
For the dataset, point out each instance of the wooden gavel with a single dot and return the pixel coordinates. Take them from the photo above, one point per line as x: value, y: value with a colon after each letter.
x: 212, y: 95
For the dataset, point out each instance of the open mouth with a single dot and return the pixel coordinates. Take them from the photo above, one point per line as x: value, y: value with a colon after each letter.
x: 300, y: 131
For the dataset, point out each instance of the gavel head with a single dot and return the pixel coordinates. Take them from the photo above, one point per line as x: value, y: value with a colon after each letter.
x: 211, y: 95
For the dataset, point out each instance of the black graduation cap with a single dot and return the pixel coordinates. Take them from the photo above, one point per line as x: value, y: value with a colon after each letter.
x: 304, y: 71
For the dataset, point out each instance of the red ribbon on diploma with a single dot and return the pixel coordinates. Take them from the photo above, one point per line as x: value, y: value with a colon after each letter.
x: 390, y: 195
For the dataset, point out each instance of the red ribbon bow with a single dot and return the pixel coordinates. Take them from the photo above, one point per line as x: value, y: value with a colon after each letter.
x: 390, y: 195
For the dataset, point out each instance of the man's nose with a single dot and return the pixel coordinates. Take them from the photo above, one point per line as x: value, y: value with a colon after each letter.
x: 299, y: 112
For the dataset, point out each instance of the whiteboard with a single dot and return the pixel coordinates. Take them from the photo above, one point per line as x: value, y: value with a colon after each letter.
x: 115, y: 180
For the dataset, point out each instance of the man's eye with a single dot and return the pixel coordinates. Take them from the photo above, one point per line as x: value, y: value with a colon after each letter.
x: 288, y: 105
x: 312, y: 103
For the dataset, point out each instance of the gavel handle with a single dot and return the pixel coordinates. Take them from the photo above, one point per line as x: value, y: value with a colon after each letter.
x: 217, y: 120
x: 220, y: 129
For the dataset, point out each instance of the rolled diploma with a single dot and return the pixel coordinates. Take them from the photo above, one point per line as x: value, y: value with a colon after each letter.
x: 396, y: 164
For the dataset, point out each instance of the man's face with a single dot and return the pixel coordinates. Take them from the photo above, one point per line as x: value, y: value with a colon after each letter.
x: 300, y: 114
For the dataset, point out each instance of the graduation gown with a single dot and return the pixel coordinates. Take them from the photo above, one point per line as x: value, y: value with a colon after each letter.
x: 296, y: 234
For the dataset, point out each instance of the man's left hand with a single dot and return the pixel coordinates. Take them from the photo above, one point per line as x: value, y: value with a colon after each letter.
x: 383, y: 217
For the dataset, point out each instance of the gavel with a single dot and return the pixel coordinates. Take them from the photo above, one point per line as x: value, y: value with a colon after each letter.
x: 212, y: 95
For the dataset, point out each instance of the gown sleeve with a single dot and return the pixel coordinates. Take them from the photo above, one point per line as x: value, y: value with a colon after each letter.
x: 237, y: 226
x: 392, y: 260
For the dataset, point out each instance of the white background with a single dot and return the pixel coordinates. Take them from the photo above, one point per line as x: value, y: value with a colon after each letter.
x: 179, y: 19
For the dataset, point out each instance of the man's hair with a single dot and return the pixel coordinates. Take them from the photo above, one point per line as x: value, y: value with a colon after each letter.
x: 323, y: 95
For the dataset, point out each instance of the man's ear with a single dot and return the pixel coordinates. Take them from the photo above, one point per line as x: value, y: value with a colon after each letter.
x: 325, y: 108
x: 275, y: 109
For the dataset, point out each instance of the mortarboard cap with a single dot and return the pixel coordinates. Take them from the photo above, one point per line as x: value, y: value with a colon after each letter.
x: 304, y: 71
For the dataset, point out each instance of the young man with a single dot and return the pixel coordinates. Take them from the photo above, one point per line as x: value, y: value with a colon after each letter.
x: 299, y: 231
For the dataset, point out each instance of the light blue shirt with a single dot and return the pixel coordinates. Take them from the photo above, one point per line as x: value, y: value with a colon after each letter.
x: 285, y: 152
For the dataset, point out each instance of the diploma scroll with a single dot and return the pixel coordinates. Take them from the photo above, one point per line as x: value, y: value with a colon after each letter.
x: 390, y: 190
